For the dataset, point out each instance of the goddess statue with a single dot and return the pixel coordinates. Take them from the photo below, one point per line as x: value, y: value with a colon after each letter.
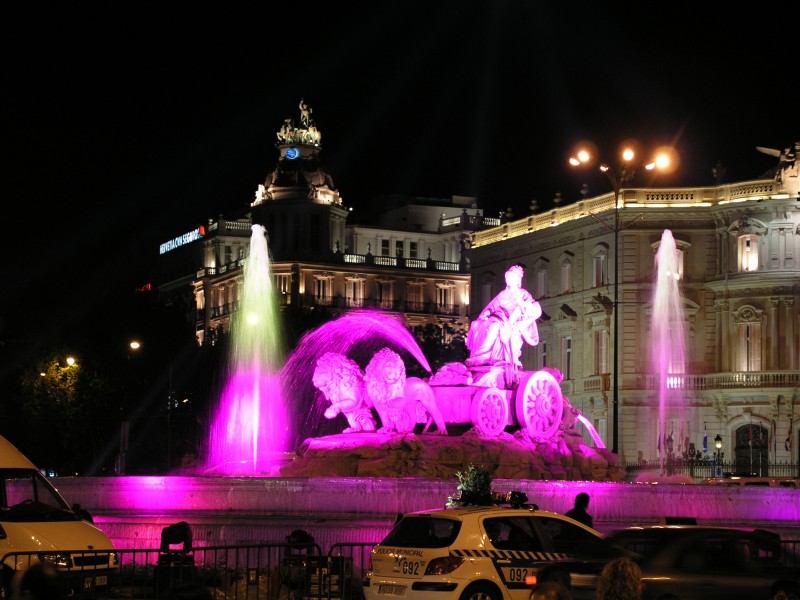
x: 496, y: 336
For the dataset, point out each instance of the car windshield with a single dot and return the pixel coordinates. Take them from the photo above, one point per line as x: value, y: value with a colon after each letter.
x: 422, y: 532
x: 26, y: 496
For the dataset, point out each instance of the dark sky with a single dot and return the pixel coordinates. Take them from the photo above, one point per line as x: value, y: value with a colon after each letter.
x: 122, y: 131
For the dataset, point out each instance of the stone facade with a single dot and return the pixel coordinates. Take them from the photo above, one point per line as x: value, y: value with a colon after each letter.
x: 740, y: 283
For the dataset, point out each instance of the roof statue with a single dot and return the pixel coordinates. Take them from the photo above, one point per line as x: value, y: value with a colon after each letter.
x: 787, y: 173
x: 306, y: 133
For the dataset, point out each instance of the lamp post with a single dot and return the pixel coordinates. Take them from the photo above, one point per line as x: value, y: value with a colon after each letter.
x: 718, y: 456
x: 617, y: 177
x: 120, y: 465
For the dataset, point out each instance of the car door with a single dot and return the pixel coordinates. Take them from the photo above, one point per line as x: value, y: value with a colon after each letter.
x: 710, y: 568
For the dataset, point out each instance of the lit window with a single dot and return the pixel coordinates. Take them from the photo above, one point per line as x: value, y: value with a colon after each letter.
x: 600, y: 352
x: 323, y: 288
x: 283, y: 287
x: 445, y: 296
x: 748, y: 253
x: 599, y: 270
x: 354, y: 290
x: 541, y: 283
x: 566, y: 277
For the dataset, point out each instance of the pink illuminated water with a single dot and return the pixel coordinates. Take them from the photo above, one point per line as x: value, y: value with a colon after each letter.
x: 668, y: 346
x: 249, y: 431
x: 358, y: 334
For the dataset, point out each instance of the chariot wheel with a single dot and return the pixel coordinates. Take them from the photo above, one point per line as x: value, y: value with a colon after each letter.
x: 489, y: 411
x: 539, y: 404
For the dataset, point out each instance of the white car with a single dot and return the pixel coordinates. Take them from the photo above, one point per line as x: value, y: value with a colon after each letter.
x: 482, y: 553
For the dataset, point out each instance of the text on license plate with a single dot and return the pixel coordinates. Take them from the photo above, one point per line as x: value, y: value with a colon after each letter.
x: 98, y: 581
x: 516, y: 574
x: 392, y: 590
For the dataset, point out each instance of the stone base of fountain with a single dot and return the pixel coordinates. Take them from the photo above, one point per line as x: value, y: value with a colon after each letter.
x: 508, y: 456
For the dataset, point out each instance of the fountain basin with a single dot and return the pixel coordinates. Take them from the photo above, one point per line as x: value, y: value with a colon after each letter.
x: 239, y: 510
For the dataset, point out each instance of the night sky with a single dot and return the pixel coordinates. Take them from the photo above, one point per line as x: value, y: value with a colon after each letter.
x: 122, y: 132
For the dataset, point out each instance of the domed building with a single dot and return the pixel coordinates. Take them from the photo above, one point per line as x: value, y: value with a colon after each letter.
x: 410, y: 262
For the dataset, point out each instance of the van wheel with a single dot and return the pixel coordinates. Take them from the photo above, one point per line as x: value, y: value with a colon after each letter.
x: 480, y: 591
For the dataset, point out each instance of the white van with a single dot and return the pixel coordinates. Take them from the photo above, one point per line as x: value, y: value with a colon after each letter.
x: 37, y: 524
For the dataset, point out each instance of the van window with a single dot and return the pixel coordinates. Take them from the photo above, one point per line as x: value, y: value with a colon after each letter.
x: 26, y: 496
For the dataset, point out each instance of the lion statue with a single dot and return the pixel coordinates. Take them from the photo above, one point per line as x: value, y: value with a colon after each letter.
x: 396, y: 398
x: 342, y: 383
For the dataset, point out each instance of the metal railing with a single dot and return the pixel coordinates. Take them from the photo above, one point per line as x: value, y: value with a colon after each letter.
x: 706, y: 467
x: 255, y: 572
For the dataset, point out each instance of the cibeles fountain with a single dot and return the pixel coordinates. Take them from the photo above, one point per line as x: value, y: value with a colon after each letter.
x: 513, y: 423
x: 400, y: 438
x: 487, y: 411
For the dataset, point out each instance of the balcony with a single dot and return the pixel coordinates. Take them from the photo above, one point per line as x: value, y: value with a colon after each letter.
x: 722, y: 381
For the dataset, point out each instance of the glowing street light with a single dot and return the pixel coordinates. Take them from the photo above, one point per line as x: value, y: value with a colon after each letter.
x: 718, y: 456
x: 618, y: 177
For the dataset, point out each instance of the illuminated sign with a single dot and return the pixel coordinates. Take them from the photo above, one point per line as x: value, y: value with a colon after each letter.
x: 186, y: 238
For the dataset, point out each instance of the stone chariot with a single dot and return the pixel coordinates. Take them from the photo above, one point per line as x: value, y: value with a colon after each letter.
x: 493, y: 398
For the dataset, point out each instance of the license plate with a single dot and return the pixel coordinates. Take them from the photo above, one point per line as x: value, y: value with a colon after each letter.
x: 392, y: 590
x: 516, y: 574
x: 90, y: 583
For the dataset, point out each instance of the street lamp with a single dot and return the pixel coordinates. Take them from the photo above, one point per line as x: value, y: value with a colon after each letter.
x: 718, y: 455
x: 618, y: 177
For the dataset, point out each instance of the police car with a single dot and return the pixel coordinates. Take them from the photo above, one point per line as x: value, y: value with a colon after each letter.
x: 482, y: 553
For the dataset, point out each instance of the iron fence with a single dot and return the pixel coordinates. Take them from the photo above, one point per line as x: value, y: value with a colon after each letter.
x: 704, y: 468
x: 255, y: 572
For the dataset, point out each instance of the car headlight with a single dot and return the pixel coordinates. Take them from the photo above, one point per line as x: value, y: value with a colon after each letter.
x: 444, y: 565
x: 62, y: 561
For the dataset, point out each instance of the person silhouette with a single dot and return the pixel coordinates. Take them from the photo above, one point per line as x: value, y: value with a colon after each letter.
x: 578, y: 512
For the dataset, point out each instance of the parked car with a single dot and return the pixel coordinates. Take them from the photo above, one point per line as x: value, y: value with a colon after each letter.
x: 483, y: 553
x: 688, y: 562
x: 747, y: 480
